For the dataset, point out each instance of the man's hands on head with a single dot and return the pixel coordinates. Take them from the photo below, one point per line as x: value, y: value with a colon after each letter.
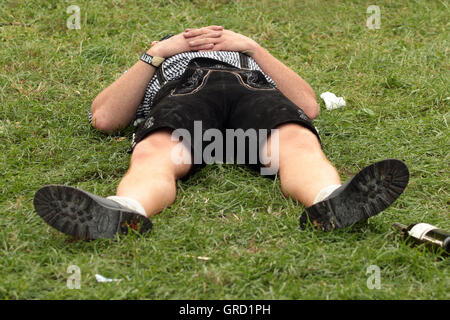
x: 210, y: 38
x: 206, y: 37
x: 227, y: 41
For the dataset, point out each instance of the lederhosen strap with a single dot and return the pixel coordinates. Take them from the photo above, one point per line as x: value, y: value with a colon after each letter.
x: 243, y: 59
x: 160, y: 76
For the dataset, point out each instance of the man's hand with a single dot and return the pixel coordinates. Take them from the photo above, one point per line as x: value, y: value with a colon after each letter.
x: 178, y: 43
x: 227, y: 41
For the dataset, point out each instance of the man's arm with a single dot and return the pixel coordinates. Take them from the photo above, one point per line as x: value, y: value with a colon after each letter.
x: 115, y: 107
x: 288, y: 82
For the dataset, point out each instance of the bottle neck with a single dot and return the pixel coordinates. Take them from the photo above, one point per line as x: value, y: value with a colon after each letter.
x: 401, y: 227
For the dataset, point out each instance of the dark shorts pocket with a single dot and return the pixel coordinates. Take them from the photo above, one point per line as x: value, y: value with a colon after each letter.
x: 254, y: 79
x: 191, y: 82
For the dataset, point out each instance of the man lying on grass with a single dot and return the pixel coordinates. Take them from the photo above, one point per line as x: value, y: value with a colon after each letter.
x: 210, y: 82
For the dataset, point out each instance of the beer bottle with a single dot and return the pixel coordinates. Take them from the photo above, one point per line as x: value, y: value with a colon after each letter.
x: 426, y: 233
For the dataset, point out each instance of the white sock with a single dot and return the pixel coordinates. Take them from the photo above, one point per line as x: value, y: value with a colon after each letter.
x: 325, y: 192
x: 129, y: 203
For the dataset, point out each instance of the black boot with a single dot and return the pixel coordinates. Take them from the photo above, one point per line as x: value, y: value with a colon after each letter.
x: 84, y: 215
x: 369, y: 192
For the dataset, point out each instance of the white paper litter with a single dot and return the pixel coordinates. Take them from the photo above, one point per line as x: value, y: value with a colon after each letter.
x: 203, y: 258
x: 331, y: 101
x: 101, y: 278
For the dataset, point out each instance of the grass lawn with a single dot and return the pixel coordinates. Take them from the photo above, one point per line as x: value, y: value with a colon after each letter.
x: 395, y: 81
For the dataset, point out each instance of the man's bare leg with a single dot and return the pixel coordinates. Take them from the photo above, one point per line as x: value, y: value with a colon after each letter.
x: 306, y: 175
x: 303, y: 168
x: 151, y: 178
x: 147, y: 188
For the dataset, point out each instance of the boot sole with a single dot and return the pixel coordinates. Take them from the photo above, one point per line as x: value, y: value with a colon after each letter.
x: 85, y: 216
x: 369, y: 192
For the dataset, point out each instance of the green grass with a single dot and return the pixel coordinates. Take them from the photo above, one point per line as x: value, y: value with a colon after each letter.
x: 395, y: 81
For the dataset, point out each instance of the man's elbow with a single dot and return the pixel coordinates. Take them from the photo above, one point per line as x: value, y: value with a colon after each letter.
x: 101, y: 122
x: 311, y: 109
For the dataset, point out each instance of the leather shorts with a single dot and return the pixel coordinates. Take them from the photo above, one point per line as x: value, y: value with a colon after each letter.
x: 222, y: 97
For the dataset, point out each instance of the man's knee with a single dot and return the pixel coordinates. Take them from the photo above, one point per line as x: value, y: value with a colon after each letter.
x: 157, y: 143
x: 293, y: 135
x: 160, y: 152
